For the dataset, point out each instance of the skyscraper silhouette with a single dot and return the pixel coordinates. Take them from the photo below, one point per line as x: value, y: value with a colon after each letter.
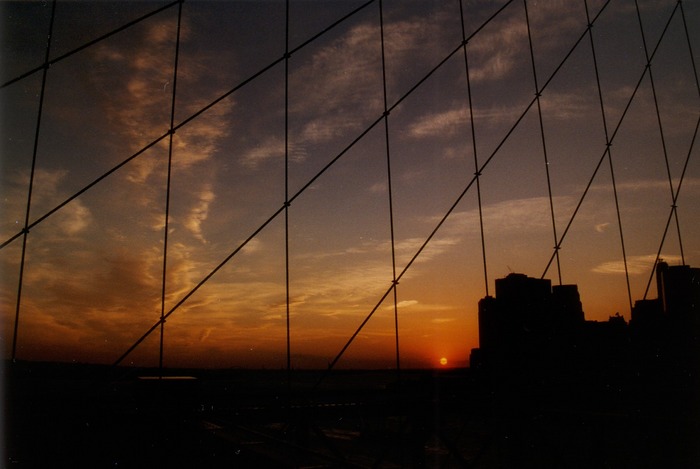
x: 531, y: 327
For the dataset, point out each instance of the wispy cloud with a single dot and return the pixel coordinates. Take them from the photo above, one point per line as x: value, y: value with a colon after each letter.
x: 74, y: 218
x: 120, y: 293
x: 568, y: 105
x: 253, y: 246
x: 553, y: 19
x: 407, y: 303
x: 403, y: 304
x: 199, y: 212
x: 602, y: 227
x: 201, y: 138
x: 556, y: 105
x: 137, y: 95
x: 443, y: 320
x: 495, y: 51
x: 442, y: 124
x: 407, y: 248
x: 134, y: 86
x: 137, y: 85
x: 342, y: 82
x: 643, y: 185
x: 71, y: 220
x: 270, y: 149
x: 340, y: 85
x: 416, y: 40
x: 273, y: 148
x: 512, y: 216
x: 450, y: 122
x: 636, y: 265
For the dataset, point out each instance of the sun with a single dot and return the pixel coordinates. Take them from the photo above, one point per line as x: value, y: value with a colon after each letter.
x: 443, y: 361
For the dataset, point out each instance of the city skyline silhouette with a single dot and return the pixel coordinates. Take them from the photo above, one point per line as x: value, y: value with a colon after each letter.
x: 279, y: 193
x: 275, y: 233
x: 546, y: 388
x: 534, y: 327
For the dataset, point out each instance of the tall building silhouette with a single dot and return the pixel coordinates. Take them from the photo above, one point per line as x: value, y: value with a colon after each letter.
x: 666, y: 330
x: 528, y: 324
x: 532, y: 326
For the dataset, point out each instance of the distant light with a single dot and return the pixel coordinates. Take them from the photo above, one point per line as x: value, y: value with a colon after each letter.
x: 166, y: 378
x: 443, y: 361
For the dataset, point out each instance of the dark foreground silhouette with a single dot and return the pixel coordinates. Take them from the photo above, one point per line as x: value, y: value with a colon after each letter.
x: 546, y: 389
x: 89, y: 416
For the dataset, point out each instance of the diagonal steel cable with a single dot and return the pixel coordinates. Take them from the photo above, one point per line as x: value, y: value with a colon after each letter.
x: 659, y: 122
x: 166, y: 226
x: 543, y: 138
x: 183, y: 123
x: 313, y: 179
x: 609, y: 157
x: 390, y: 193
x: 25, y: 231
x: 673, y: 206
x: 606, y: 133
x: 472, y: 128
x: 124, y: 27
x: 457, y: 200
x: 286, y: 205
x: 609, y: 141
x: 687, y: 159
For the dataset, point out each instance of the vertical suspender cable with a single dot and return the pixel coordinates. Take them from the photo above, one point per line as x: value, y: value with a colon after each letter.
x: 544, y: 141
x: 187, y: 121
x: 674, y: 212
x: 608, y: 144
x: 167, y: 190
x: 661, y: 129
x: 609, y: 139
x: 690, y: 48
x: 25, y: 231
x: 390, y: 193
x: 670, y: 214
x: 343, y: 152
x: 477, y: 173
x: 286, y: 195
x: 91, y: 43
x: 687, y: 159
x: 697, y: 87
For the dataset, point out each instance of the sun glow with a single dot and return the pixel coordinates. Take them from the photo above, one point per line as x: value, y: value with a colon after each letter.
x: 443, y: 361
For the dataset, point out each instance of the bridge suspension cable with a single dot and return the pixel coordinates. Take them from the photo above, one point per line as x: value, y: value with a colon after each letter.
x: 37, y: 131
x: 166, y: 222
x: 673, y: 213
x: 480, y: 164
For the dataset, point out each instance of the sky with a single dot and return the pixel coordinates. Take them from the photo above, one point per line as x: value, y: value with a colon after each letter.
x: 93, y: 272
